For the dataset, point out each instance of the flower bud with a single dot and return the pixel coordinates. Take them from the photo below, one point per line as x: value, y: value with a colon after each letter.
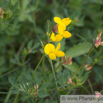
x: 86, y: 65
x: 90, y: 67
x: 70, y: 62
x: 98, y: 94
x: 73, y: 83
x: 98, y: 43
x: 55, y: 28
x: 1, y: 12
x: 69, y: 58
x: 65, y: 61
x: 69, y: 81
x: 101, y: 43
x: 61, y: 59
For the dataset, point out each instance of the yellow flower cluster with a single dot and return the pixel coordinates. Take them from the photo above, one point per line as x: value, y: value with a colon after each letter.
x: 60, y: 28
x: 61, y: 25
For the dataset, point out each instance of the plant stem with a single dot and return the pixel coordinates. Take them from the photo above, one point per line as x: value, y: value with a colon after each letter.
x: 83, y: 62
x: 54, y: 76
x: 68, y: 92
x: 42, y: 65
x: 85, y: 88
x: 53, y: 73
x: 58, y: 66
x: 16, y: 98
x: 90, y: 86
x: 37, y: 66
x: 8, y: 95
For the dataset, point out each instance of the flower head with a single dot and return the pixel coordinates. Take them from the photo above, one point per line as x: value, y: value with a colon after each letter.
x: 98, y: 40
x: 52, y: 52
x: 1, y: 12
x: 97, y: 94
x: 63, y: 33
x: 69, y: 80
x: 55, y: 38
x: 87, y: 66
x: 55, y: 28
x: 62, y: 27
x: 63, y: 23
x: 90, y: 67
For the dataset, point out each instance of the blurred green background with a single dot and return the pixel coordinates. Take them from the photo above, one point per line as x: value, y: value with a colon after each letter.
x: 28, y: 21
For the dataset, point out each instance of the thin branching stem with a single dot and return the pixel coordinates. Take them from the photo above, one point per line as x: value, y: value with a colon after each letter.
x: 37, y: 66
x: 83, y: 62
x: 90, y: 86
x: 54, y: 76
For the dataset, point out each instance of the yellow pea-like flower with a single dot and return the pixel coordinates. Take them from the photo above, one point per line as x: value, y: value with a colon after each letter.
x: 55, y: 38
x: 63, y: 33
x: 63, y: 23
x: 62, y: 27
x: 53, y: 52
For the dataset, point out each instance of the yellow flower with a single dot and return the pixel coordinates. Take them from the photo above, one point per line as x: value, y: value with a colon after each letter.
x: 63, y: 33
x: 52, y: 52
x: 63, y: 23
x: 62, y: 27
x: 55, y: 38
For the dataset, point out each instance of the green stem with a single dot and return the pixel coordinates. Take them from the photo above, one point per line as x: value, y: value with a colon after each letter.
x: 16, y: 98
x: 8, y: 95
x: 42, y: 65
x: 68, y: 92
x: 85, y: 88
x: 54, y: 76
x: 95, y: 62
x: 83, y: 62
x: 58, y: 66
x: 90, y: 86
x: 37, y: 66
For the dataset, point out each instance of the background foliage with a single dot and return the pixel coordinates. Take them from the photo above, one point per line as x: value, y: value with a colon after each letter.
x: 25, y: 23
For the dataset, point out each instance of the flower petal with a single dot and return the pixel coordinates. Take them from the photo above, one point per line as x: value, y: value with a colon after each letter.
x: 49, y: 48
x: 60, y: 30
x: 52, y: 37
x: 57, y: 20
x: 52, y: 56
x: 58, y: 47
x: 67, y: 34
x: 60, y: 54
x: 58, y: 37
x: 66, y: 21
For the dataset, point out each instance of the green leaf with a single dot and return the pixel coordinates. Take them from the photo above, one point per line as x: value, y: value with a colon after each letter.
x: 25, y: 98
x: 13, y: 82
x: 4, y: 4
x: 15, y: 90
x: 34, y: 51
x: 84, y: 78
x: 15, y: 6
x: 35, y: 46
x: 23, y: 79
x: 42, y: 94
x: 17, y: 58
x: 74, y: 67
x: 101, y: 91
x: 13, y: 61
x: 29, y: 45
x: 95, y: 92
x: 13, y: 2
x: 25, y: 4
x: 44, y: 86
x: 78, y: 49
